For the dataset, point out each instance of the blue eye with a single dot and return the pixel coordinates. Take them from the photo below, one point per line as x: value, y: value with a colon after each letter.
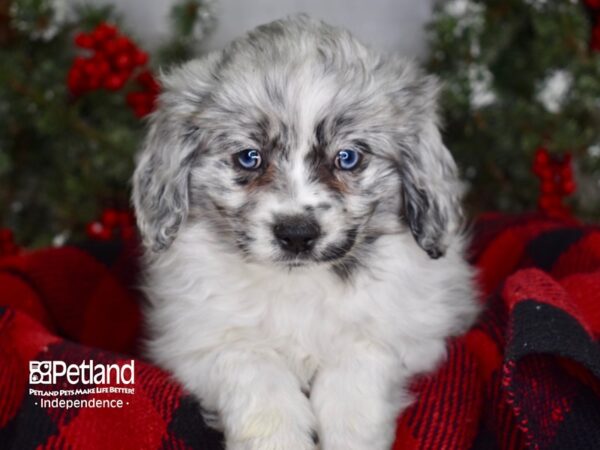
x: 249, y: 159
x: 347, y: 159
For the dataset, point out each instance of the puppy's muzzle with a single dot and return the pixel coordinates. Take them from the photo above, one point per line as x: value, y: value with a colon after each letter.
x: 296, y: 234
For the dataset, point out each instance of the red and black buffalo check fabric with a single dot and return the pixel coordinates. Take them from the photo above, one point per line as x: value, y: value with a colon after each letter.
x: 526, y: 376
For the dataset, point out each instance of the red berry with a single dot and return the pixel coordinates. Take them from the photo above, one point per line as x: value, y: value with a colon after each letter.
x: 566, y: 173
x: 569, y: 187
x: 102, y: 68
x: 542, y: 158
x: 110, y: 218
x: 123, y: 44
x: 546, y: 174
x: 547, y: 187
x: 100, y: 35
x: 147, y: 80
x: 114, y: 82
x: 141, y: 111
x: 84, y: 40
x: 110, y: 47
x: 135, y: 98
x: 126, y: 219
x: 79, y: 61
x: 549, y: 201
x: 555, y: 200
x: 90, y: 68
x: 94, y: 229
x: 140, y: 58
x: 145, y: 108
x: 142, y: 103
x: 155, y: 89
x: 123, y: 61
x: 108, y: 30
x: 543, y: 203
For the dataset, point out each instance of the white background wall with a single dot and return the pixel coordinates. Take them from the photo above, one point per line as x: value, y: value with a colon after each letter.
x: 392, y: 25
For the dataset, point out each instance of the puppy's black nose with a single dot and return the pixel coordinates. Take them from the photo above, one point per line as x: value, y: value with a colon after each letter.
x: 297, y: 234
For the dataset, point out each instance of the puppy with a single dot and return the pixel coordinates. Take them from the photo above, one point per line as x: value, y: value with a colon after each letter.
x: 301, y: 219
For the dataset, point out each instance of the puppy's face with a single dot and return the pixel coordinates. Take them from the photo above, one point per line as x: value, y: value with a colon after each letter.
x: 299, y: 178
x: 297, y: 146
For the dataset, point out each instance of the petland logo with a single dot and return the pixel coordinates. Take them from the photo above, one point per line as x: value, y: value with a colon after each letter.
x: 88, y: 372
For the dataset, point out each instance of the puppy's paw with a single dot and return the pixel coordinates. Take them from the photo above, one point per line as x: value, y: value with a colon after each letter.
x: 342, y: 442
x: 268, y: 433
x: 283, y: 441
x: 283, y: 426
x: 354, y: 430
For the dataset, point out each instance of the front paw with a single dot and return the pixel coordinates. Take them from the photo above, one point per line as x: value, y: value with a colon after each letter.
x: 361, y: 426
x: 281, y: 440
x: 275, y: 428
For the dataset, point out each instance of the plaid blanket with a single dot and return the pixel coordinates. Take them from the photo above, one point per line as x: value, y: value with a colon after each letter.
x: 526, y: 376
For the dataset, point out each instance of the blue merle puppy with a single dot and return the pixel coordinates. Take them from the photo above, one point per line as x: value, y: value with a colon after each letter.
x: 302, y: 225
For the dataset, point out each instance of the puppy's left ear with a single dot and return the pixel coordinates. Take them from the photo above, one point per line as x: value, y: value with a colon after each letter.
x: 161, y: 179
x: 431, y: 190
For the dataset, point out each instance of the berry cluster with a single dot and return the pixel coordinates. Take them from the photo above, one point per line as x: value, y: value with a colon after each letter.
x: 110, y: 65
x: 556, y: 182
x: 113, y: 224
x: 7, y: 243
x: 142, y: 101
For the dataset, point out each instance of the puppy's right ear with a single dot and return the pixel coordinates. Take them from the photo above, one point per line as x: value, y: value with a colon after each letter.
x: 431, y: 190
x: 161, y: 179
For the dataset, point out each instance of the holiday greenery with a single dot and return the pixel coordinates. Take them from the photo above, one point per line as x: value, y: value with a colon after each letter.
x: 522, y: 77
x: 73, y: 88
x: 520, y: 105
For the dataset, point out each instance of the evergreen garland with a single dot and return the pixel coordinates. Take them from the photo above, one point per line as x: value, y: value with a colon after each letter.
x: 68, y: 134
x: 519, y: 76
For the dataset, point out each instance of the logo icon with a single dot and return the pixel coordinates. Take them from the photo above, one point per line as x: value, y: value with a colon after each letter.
x: 40, y: 372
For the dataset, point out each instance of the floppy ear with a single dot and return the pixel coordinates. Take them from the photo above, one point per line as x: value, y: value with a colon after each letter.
x: 161, y: 179
x: 431, y: 190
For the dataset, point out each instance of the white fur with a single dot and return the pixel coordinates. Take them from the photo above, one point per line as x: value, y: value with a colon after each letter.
x: 246, y: 338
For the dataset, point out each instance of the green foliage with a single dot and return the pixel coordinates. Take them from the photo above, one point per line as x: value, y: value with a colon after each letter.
x: 497, y: 59
x: 62, y: 158
x: 193, y: 20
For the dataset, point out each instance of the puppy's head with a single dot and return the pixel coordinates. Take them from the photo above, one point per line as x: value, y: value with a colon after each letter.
x: 296, y: 145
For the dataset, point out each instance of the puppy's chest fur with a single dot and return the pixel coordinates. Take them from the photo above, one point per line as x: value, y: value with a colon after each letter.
x: 203, y: 300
